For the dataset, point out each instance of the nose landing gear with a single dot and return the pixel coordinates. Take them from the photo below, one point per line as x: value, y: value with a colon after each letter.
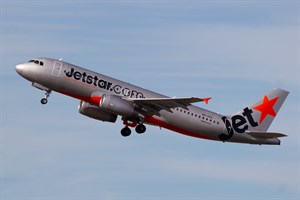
x: 45, y: 99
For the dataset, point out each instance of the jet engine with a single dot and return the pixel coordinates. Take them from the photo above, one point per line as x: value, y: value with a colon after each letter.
x: 116, y: 105
x: 95, y: 112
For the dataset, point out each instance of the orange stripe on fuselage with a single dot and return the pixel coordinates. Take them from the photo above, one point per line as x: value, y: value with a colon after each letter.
x: 95, y: 100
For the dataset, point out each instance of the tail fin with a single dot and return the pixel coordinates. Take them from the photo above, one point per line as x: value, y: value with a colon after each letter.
x: 262, y: 113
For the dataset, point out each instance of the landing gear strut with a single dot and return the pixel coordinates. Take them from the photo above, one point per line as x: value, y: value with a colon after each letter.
x: 45, y: 99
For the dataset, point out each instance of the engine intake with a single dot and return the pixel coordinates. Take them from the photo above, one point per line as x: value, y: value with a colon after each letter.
x: 95, y: 112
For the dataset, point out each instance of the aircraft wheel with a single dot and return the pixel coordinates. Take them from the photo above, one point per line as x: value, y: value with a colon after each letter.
x: 141, y: 128
x: 44, y: 101
x: 125, y: 132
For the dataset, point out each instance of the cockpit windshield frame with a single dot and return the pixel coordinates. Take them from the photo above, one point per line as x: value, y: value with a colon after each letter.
x: 36, y: 62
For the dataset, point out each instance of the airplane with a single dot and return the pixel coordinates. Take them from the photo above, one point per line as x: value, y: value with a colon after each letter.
x: 104, y: 98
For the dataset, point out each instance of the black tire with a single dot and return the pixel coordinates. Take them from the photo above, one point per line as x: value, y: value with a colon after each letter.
x: 125, y: 132
x: 44, y: 101
x: 141, y: 128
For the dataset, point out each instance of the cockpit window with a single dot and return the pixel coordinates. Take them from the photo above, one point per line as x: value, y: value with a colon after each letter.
x: 37, y: 62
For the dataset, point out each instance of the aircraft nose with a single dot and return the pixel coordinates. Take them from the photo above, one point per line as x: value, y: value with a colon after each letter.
x: 20, y: 68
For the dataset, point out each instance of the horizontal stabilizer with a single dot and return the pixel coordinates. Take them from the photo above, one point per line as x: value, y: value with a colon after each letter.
x: 265, y: 135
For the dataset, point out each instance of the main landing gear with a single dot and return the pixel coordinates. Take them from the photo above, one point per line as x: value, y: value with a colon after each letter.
x: 45, y: 99
x: 139, y: 128
x: 125, y: 132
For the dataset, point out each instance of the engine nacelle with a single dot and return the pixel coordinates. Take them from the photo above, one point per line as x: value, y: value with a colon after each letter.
x: 116, y: 105
x: 95, y: 112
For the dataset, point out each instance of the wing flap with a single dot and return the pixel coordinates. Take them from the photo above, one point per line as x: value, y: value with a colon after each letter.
x: 156, y: 104
x: 171, y: 101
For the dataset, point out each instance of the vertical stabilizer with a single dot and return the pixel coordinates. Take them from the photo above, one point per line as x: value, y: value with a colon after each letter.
x: 265, y: 110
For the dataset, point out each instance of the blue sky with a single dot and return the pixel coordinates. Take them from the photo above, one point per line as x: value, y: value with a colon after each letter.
x: 234, y: 51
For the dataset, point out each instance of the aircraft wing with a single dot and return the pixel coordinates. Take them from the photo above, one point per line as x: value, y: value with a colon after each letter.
x: 153, y: 105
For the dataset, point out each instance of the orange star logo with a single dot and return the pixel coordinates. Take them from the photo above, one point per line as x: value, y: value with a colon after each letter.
x: 266, y: 108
